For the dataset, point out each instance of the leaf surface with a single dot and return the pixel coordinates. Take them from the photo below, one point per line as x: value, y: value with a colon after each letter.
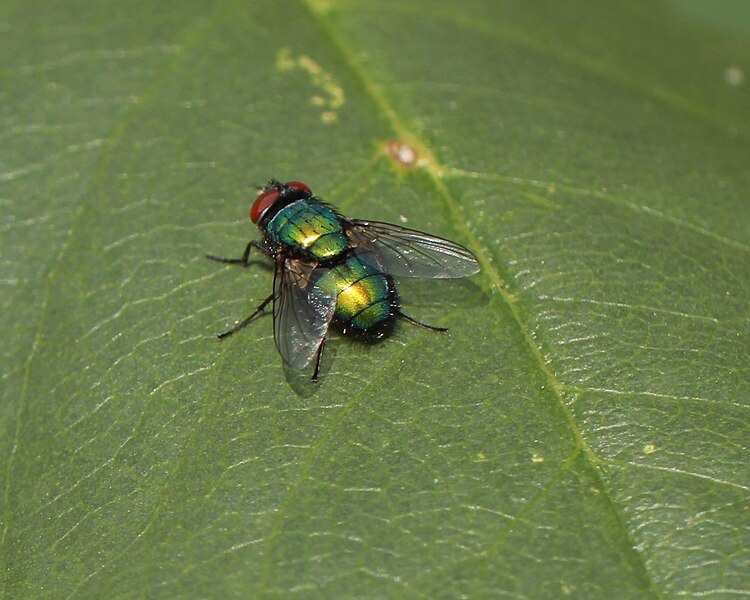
x: 582, y: 430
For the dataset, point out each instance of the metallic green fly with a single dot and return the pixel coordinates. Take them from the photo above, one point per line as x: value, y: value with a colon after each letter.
x: 333, y: 269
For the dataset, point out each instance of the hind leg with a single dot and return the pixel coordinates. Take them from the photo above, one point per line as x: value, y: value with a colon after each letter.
x: 317, y: 359
x: 413, y: 321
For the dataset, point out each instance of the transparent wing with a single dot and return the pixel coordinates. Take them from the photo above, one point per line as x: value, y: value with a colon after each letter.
x: 301, y: 313
x: 409, y: 253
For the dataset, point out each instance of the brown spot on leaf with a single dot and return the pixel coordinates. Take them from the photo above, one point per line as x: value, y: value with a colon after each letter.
x: 403, y: 153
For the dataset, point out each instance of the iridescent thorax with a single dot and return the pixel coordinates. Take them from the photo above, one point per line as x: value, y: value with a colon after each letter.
x: 308, y: 229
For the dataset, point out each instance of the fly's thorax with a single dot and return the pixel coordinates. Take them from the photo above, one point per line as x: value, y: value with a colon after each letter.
x: 364, y: 295
x: 307, y: 229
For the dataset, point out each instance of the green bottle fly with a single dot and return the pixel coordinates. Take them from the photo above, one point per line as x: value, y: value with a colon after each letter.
x: 333, y: 269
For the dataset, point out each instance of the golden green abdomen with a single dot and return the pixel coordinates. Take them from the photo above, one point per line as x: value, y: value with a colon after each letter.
x: 363, y: 294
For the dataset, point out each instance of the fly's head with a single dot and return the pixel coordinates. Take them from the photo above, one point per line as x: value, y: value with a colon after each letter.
x: 274, y: 196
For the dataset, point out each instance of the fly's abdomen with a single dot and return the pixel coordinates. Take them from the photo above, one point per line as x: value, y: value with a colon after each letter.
x: 309, y: 230
x: 364, y: 303
x: 363, y: 294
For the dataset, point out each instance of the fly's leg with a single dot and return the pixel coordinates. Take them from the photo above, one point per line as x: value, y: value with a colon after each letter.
x: 245, y: 260
x: 244, y: 322
x: 317, y: 359
x: 413, y: 321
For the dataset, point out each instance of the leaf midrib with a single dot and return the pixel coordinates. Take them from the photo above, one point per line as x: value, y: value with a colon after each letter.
x: 436, y: 172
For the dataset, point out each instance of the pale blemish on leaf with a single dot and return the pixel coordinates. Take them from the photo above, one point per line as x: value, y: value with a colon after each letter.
x: 649, y: 448
x: 403, y: 153
x: 734, y: 76
x: 537, y: 458
x: 332, y: 96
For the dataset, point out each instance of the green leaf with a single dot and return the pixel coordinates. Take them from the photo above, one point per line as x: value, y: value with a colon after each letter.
x: 582, y: 430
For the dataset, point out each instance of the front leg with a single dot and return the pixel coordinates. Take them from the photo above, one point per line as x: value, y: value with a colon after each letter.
x: 246, y: 320
x: 245, y: 260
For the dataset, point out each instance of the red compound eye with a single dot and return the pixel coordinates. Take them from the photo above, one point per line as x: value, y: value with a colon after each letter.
x: 263, y: 203
x: 298, y: 186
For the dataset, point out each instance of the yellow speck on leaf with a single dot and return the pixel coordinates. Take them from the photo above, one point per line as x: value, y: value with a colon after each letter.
x: 332, y: 97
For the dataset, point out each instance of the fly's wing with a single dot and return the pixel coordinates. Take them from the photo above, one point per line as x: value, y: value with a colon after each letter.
x: 409, y: 253
x: 301, y: 312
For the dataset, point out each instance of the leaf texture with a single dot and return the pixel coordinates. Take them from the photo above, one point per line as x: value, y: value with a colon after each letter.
x: 581, y: 432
